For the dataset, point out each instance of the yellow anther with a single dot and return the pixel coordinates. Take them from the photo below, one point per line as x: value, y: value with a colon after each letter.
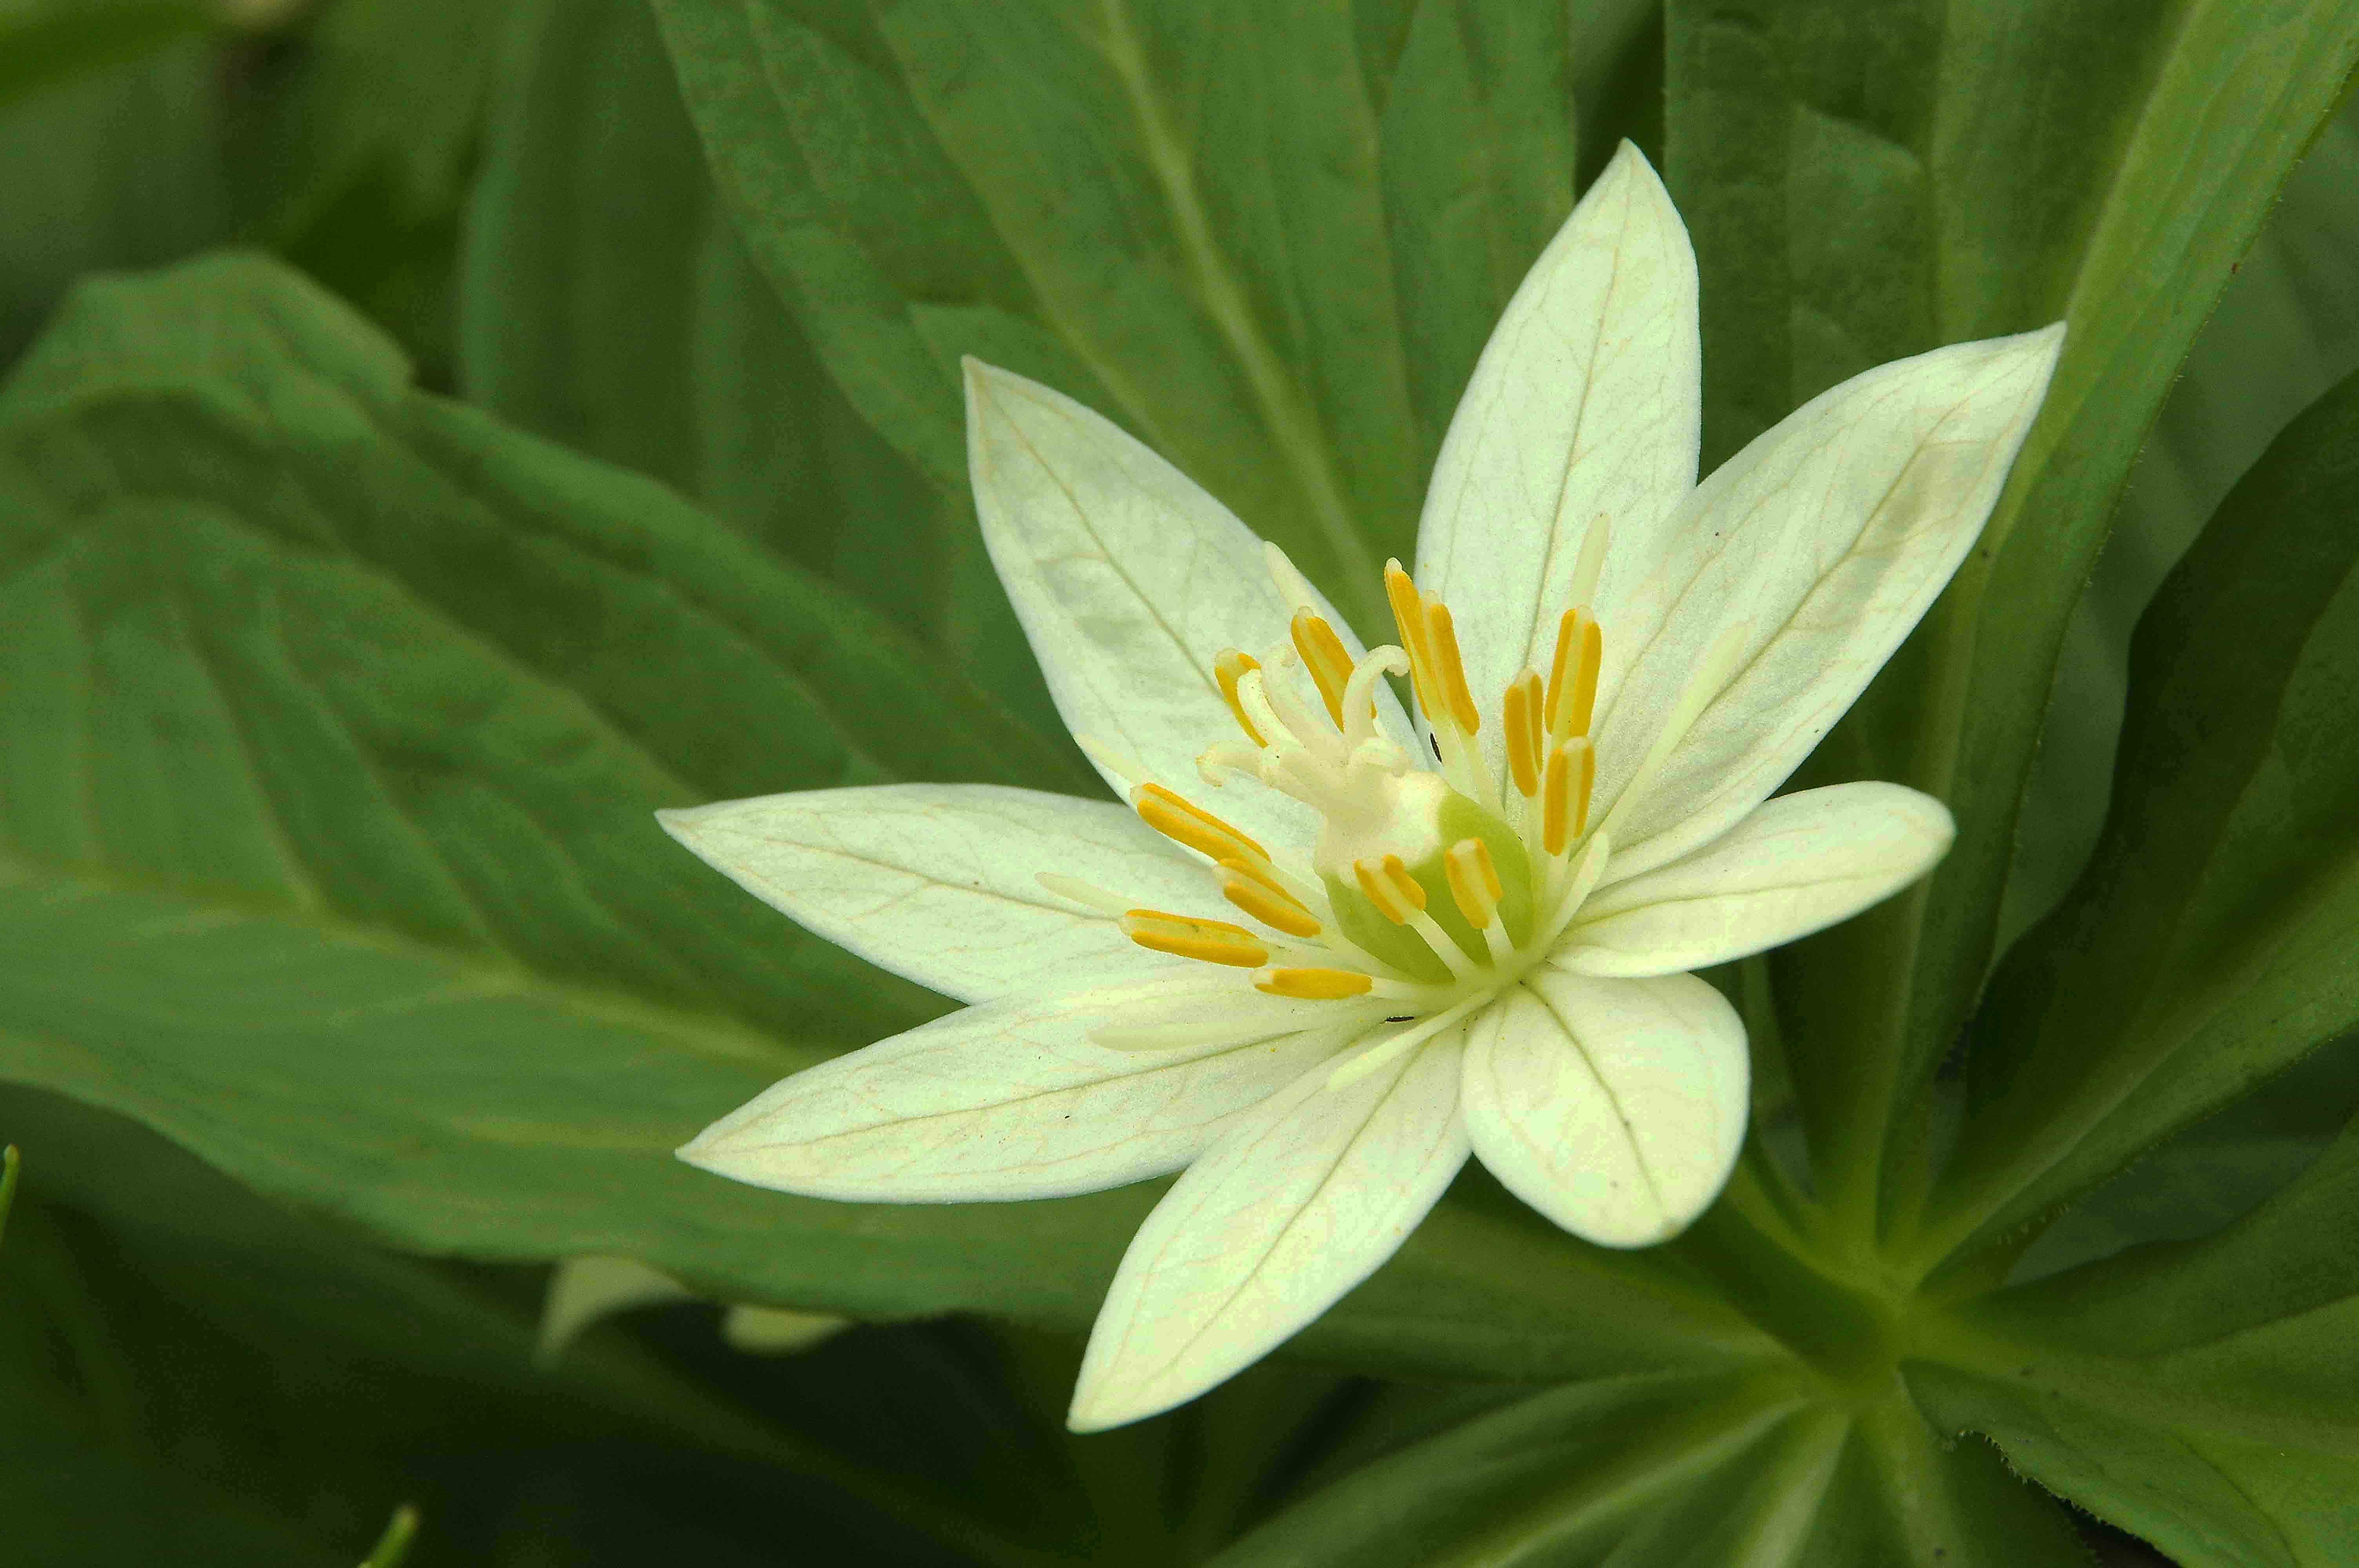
x: 1572, y: 675
x: 1249, y: 887
x: 1314, y: 985
x: 1409, y: 615
x: 1324, y: 655
x: 1448, y: 670
x: 1389, y: 887
x: 1474, y: 884
x: 1211, y: 941
x: 1229, y: 669
x: 1526, y: 741
x: 1564, y: 806
x: 1184, y: 822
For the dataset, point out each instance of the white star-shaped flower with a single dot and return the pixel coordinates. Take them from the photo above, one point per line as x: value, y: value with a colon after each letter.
x: 1325, y: 952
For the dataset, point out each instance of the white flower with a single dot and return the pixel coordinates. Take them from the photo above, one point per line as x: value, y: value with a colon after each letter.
x: 1387, y: 947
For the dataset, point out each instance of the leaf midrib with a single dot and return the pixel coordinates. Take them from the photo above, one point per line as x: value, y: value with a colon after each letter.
x: 1278, y: 402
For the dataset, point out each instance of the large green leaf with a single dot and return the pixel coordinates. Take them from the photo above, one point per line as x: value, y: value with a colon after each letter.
x: 48, y: 41
x: 1474, y: 164
x: 1268, y: 239
x: 2286, y: 329
x: 449, y: 1361
x: 607, y: 303
x: 2202, y: 1178
x: 1863, y: 181
x: 2209, y: 943
x: 2200, y: 1393
x: 332, y: 716
x: 1658, y: 1472
x: 81, y: 1479
x: 118, y: 167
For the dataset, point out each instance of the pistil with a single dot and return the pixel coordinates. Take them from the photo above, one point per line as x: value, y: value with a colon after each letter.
x: 1429, y: 890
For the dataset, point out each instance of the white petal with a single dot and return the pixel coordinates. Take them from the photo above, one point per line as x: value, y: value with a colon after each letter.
x: 778, y: 1331
x: 1826, y: 539
x: 582, y: 1291
x: 939, y: 882
x: 1586, y: 402
x: 1797, y: 864
x: 1129, y: 581
x: 1010, y: 1101
x: 1616, y: 1108
x: 1298, y: 1203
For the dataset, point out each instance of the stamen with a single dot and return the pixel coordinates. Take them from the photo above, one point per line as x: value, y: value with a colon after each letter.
x: 1384, y: 1050
x: 1445, y: 948
x: 1228, y: 669
x: 1292, y: 585
x: 1520, y: 714
x: 1450, y: 671
x: 1389, y: 887
x: 1590, y: 562
x: 1582, y: 872
x: 1573, y: 674
x: 1571, y: 775
x: 1183, y: 937
x: 1314, y: 985
x: 1081, y: 892
x: 1184, y: 822
x: 1111, y: 759
x: 1706, y: 684
x: 1324, y: 655
x: 1474, y: 884
x: 1408, y: 614
x: 1251, y: 890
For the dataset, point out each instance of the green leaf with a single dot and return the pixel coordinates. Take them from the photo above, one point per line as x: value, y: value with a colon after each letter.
x: 2200, y: 1393
x: 2199, y: 1180
x: 46, y: 42
x: 1264, y: 238
x: 2207, y: 945
x: 395, y: 87
x: 607, y: 303
x: 1862, y: 182
x: 449, y: 1351
x: 1476, y: 152
x: 81, y: 1479
x: 2286, y: 329
x: 331, y: 715
x: 117, y: 169
x: 353, y: 150
x: 1656, y: 1472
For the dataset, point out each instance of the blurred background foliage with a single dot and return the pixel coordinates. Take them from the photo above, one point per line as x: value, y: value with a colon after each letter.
x: 513, y: 190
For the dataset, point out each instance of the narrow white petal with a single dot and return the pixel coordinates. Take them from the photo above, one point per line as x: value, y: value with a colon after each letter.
x: 1616, y: 1108
x: 1826, y: 540
x: 1010, y: 1101
x: 1797, y: 864
x: 1300, y: 1202
x: 1585, y: 403
x: 939, y: 882
x: 1129, y: 581
x: 778, y: 1331
x: 582, y: 1291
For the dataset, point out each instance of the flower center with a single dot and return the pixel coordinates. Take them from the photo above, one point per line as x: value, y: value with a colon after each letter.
x: 1429, y: 888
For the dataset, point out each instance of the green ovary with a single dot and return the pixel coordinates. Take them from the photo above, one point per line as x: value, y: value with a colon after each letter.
x: 1458, y: 819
